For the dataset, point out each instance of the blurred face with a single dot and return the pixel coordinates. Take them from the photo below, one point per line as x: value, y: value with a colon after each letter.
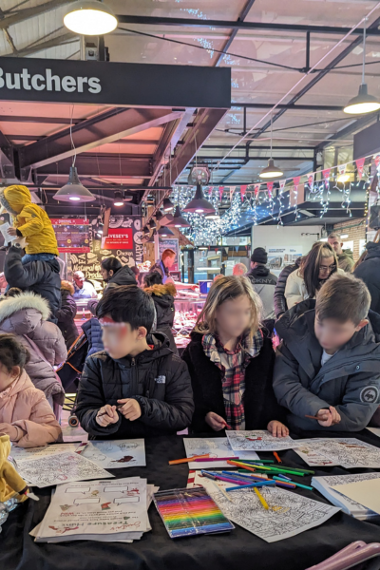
x: 106, y: 275
x: 332, y: 334
x: 237, y: 270
x: 169, y: 262
x: 336, y: 245
x: 7, y: 377
x: 79, y: 280
x: 326, y: 267
x: 120, y: 340
x: 233, y: 317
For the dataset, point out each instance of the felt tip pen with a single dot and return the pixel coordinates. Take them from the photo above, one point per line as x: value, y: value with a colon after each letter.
x: 250, y: 486
x: 296, y: 484
x: 205, y: 459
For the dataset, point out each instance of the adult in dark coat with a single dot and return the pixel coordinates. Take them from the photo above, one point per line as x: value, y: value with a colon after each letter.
x: 369, y: 272
x: 41, y: 277
x: 163, y: 297
x: 156, y: 378
x: 93, y: 332
x: 67, y: 313
x: 114, y: 274
x: 260, y: 404
x: 280, y: 305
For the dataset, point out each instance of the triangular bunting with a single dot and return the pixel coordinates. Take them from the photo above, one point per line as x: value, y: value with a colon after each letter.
x: 243, y: 190
x: 221, y: 191
x: 232, y: 192
x: 270, y: 188
x: 360, y: 166
x: 282, y: 185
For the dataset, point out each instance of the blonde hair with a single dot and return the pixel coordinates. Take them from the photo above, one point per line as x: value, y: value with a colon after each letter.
x: 228, y: 289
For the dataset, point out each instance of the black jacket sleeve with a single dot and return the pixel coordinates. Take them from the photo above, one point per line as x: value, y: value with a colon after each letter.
x: 91, y: 398
x: 19, y: 275
x: 68, y: 310
x: 202, y: 406
x: 366, y: 273
x: 175, y: 412
x: 280, y: 306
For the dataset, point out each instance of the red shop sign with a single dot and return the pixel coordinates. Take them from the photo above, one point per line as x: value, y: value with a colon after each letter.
x: 69, y: 222
x: 121, y: 238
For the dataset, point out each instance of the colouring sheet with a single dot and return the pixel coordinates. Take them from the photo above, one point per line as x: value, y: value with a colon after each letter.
x: 116, y: 454
x: 258, y: 440
x: 347, y: 452
x: 216, y: 447
x: 289, y: 514
x: 60, y: 468
x: 73, y: 434
x: 366, y: 493
x: 329, y: 487
x: 96, y: 510
x: 31, y: 453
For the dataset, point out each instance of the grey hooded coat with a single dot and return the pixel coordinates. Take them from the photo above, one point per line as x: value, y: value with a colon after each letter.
x: 349, y: 381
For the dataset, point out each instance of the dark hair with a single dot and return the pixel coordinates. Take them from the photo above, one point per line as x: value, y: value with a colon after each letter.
x: 151, y: 279
x: 310, y: 267
x: 343, y: 298
x: 111, y: 264
x: 12, y: 352
x: 13, y: 292
x: 127, y: 304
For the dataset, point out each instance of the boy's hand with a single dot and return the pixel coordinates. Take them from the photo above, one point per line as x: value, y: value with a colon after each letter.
x: 277, y: 429
x: 130, y: 409
x: 215, y: 422
x: 328, y: 417
x: 107, y: 415
x: 12, y: 231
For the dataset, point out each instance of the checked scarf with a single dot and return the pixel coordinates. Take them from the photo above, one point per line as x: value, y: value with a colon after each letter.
x: 233, y: 364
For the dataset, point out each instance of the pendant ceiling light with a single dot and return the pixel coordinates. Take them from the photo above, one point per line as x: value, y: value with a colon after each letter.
x: 90, y: 18
x: 167, y: 205
x: 74, y: 191
x: 271, y: 171
x: 118, y: 199
x: 178, y: 220
x: 165, y: 232
x: 363, y: 102
x: 199, y: 205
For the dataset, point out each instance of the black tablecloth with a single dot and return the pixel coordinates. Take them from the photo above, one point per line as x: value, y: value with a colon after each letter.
x: 239, y: 550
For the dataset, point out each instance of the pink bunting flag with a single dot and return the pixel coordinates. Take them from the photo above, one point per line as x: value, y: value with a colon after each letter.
x: 270, y: 188
x: 376, y: 158
x: 282, y: 185
x: 257, y: 190
x: 310, y: 179
x: 243, y: 190
x: 221, y: 190
x: 360, y: 166
x: 232, y: 192
x: 326, y: 176
x: 342, y: 169
x: 296, y: 181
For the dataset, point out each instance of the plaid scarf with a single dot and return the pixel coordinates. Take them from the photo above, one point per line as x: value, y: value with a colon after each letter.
x: 233, y: 364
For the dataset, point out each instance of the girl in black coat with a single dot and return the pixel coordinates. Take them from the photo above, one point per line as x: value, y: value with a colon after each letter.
x: 230, y: 360
x: 163, y: 297
x: 66, y: 314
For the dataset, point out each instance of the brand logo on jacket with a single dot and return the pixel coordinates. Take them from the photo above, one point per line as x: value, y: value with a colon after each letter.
x: 160, y: 380
x: 25, y: 81
x: 369, y: 395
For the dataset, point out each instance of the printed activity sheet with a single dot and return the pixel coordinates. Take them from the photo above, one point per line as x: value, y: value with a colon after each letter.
x: 59, y: 468
x: 364, y: 492
x: 347, y: 452
x: 31, y: 453
x: 289, y: 514
x: 216, y: 447
x: 96, y: 509
x: 116, y: 454
x: 330, y: 485
x: 258, y: 440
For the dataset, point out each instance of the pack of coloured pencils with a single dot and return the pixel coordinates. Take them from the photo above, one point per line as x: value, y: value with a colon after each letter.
x: 189, y: 512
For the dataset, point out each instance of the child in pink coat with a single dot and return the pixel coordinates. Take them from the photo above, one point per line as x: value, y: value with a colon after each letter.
x: 25, y: 414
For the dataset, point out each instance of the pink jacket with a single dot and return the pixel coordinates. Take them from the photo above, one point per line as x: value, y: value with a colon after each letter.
x: 25, y: 415
x: 26, y: 317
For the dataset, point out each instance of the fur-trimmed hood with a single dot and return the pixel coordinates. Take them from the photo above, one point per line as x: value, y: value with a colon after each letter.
x: 161, y: 290
x: 67, y: 286
x: 26, y: 302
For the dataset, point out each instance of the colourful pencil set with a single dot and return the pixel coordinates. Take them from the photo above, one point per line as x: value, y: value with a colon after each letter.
x: 189, y: 512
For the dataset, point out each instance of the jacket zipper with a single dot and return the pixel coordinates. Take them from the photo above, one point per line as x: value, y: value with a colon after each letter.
x: 133, y: 362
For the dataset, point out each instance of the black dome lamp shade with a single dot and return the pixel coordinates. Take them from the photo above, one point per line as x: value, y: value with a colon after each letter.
x: 199, y: 205
x: 178, y: 220
x: 165, y: 232
x: 74, y: 191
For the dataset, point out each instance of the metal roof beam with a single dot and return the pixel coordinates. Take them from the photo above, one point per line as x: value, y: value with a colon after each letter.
x: 239, y: 25
x: 244, y: 13
x: 288, y: 107
x: 27, y: 13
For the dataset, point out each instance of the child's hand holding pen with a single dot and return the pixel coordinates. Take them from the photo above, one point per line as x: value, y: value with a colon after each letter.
x: 107, y: 415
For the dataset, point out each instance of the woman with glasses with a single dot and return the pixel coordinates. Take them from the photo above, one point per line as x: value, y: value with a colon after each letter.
x: 319, y: 264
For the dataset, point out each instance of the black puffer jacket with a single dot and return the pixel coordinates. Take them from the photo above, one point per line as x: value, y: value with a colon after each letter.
x: 156, y: 378
x: 260, y: 404
x: 67, y: 313
x: 280, y: 306
x: 163, y: 297
x: 124, y: 276
x: 369, y: 272
x: 41, y: 277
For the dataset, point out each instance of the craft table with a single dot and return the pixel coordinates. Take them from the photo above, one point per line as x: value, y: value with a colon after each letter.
x: 156, y: 551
